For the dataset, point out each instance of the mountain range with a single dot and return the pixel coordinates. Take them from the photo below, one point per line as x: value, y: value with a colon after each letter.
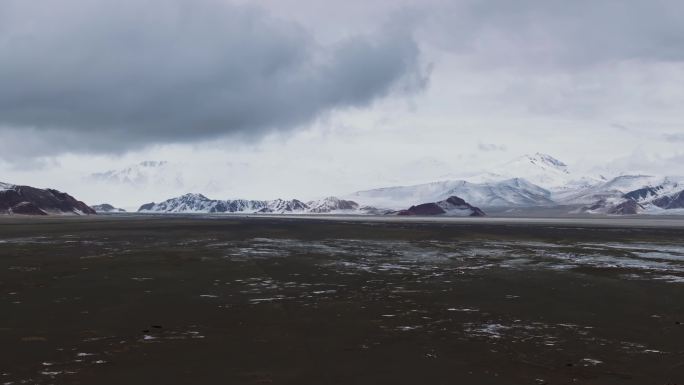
x: 542, y: 181
x: 515, y: 192
x: 530, y: 181
x: 198, y: 203
x: 536, y: 181
x: 635, y: 194
x: 539, y: 169
x: 625, y: 194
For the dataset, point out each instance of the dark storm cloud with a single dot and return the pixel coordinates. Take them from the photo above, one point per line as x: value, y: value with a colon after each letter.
x: 106, y: 75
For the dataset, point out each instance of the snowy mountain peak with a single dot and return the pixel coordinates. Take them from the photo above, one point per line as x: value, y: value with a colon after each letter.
x: 185, y: 203
x: 545, y: 160
x: 193, y: 196
x: 284, y: 206
x: 331, y: 204
x: 540, y: 169
x: 143, y: 174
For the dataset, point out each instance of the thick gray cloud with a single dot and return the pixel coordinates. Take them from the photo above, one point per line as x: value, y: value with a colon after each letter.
x: 559, y: 33
x: 105, y: 75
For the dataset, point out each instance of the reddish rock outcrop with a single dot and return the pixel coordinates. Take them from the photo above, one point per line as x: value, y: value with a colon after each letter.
x: 452, y: 206
x: 26, y: 200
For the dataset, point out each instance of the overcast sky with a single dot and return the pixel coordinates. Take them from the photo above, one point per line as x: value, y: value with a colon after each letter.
x: 284, y: 98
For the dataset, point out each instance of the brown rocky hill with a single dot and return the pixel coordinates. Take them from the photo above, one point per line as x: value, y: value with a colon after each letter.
x: 27, y: 200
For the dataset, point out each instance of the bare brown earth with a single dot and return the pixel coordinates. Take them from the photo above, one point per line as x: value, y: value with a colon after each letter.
x: 226, y: 300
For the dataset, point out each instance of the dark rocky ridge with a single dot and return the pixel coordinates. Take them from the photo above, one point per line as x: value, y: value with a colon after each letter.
x: 26, y: 200
x: 107, y: 208
x: 662, y: 196
x: 643, y: 193
x: 451, y: 206
x: 628, y: 207
x: 423, y: 209
x: 674, y: 201
x: 147, y: 206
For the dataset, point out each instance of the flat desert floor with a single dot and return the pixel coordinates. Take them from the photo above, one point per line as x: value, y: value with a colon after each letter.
x: 268, y: 300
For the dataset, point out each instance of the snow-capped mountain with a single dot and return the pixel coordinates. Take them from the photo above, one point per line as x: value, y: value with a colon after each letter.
x: 540, y: 181
x: 280, y: 206
x: 507, y: 193
x: 540, y: 169
x: 452, y: 206
x: 634, y: 194
x: 145, y: 181
x: 612, y: 189
x: 672, y: 201
x: 332, y: 205
x: 27, y: 200
x: 160, y: 173
x: 537, y: 180
x: 198, y: 203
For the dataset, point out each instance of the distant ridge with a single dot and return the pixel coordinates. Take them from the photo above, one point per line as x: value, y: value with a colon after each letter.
x: 198, y: 203
x: 636, y: 194
x: 516, y: 192
x: 536, y: 181
x: 107, y: 208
